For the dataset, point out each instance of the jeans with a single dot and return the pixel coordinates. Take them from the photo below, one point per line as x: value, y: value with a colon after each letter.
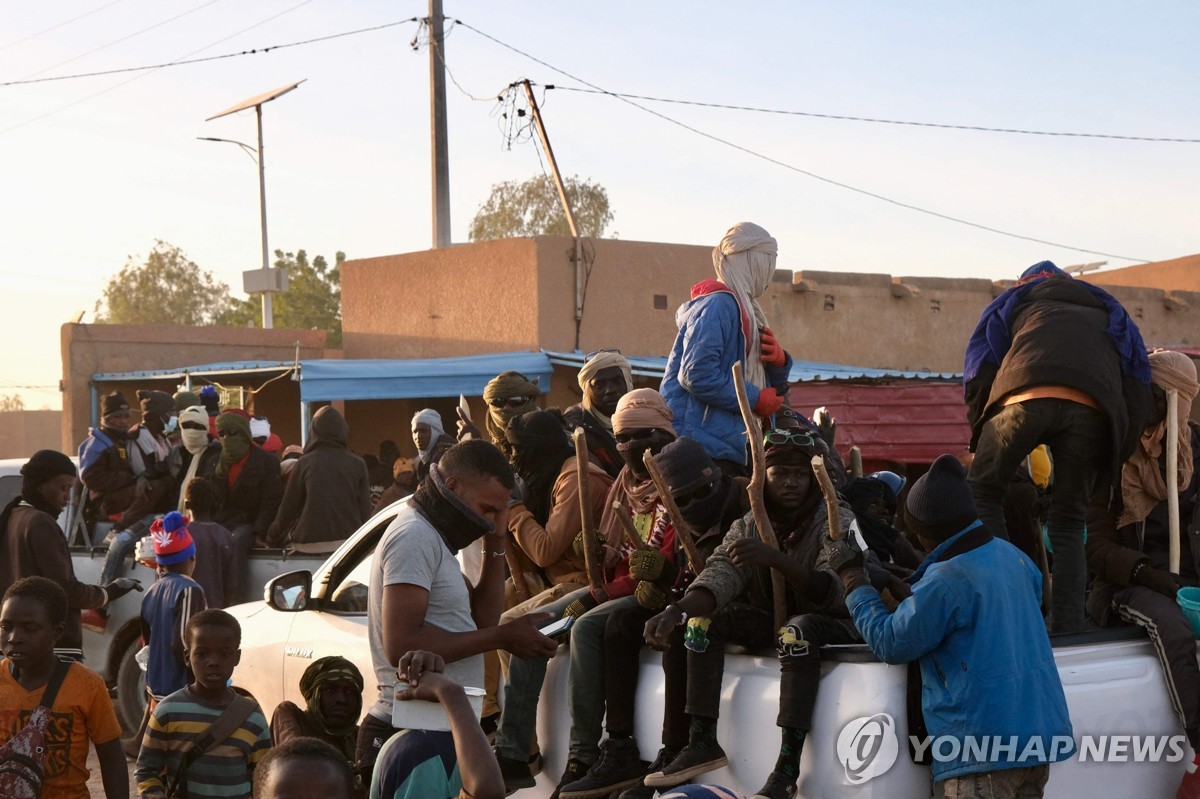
x: 587, y: 674
x: 736, y: 623
x: 799, y: 646
x: 121, y: 547
x: 1010, y: 783
x: 1078, y: 438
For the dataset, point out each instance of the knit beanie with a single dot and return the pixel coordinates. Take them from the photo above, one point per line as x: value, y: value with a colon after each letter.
x: 45, y: 465
x: 113, y: 403
x: 685, y: 465
x: 941, y: 500
x: 185, y: 399
x: 172, y: 541
x: 156, y: 403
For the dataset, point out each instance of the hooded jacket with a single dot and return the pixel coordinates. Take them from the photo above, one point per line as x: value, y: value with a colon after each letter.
x: 329, y: 492
x: 698, y: 383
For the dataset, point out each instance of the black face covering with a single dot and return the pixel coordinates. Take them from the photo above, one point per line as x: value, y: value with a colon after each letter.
x: 455, y: 522
x: 632, y: 452
x: 702, y: 513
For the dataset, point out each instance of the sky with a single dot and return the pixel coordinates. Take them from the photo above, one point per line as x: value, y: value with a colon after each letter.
x: 96, y: 169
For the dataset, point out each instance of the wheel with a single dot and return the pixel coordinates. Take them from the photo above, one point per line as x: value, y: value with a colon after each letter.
x: 131, y: 689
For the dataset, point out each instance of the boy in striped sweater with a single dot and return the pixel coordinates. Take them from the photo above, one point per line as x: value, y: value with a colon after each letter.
x: 213, y: 641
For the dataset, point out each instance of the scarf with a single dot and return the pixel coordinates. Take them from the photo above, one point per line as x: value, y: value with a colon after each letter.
x: 322, y: 672
x: 234, y: 429
x: 880, y: 536
x: 434, y: 419
x: 598, y: 363
x: 1143, y: 484
x: 505, y: 385
x: 540, y: 448
x: 194, y: 442
x: 992, y: 337
x: 454, y: 520
x: 745, y: 262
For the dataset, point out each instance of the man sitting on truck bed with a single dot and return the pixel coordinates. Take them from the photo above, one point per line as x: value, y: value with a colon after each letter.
x: 741, y: 566
x: 418, y: 596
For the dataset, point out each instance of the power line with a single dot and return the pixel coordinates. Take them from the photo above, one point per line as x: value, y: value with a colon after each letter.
x: 62, y: 24
x: 798, y: 170
x: 815, y: 115
x: 183, y: 62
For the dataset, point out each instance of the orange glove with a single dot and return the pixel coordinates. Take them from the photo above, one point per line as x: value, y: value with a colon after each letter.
x: 768, y: 403
x: 772, y: 353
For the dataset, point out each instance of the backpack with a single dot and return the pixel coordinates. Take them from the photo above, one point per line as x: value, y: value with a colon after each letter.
x: 22, y: 757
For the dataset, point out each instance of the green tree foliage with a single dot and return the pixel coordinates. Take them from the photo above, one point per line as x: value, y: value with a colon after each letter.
x: 532, y: 208
x: 11, y: 402
x: 166, y: 288
x: 313, y: 299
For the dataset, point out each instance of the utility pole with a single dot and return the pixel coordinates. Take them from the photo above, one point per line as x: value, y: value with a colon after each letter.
x: 437, y: 117
x: 566, y: 204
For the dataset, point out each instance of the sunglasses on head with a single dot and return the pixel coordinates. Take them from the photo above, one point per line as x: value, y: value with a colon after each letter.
x: 779, y: 437
x: 508, y: 402
x: 634, y: 435
x: 698, y: 494
x: 594, y: 353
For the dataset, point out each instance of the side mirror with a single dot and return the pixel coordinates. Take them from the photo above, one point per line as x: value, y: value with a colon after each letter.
x: 289, y: 592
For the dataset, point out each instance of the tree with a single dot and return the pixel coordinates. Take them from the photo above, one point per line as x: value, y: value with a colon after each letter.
x: 313, y: 299
x: 167, y: 288
x: 532, y: 208
x: 11, y: 402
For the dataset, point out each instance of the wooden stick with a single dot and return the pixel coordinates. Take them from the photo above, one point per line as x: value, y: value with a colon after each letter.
x: 758, y: 482
x: 593, y: 565
x: 513, y: 558
x: 831, y: 497
x: 856, y: 469
x: 1173, y: 478
x: 627, y: 525
x: 683, y: 531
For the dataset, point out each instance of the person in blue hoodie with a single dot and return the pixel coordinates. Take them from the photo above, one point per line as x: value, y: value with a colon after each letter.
x: 974, y: 623
x: 721, y: 325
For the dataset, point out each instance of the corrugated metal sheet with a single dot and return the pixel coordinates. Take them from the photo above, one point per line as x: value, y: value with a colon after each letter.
x: 897, y: 422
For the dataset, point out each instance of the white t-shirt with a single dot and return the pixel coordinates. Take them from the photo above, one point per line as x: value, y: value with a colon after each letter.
x: 412, y: 552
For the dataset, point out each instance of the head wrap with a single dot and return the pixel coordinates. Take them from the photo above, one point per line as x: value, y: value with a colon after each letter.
x: 434, y: 419
x: 502, y: 386
x: 260, y: 427
x: 156, y: 403
x: 539, y: 448
x: 326, y: 671
x: 1142, y: 483
x: 113, y: 403
x: 234, y: 447
x: 879, y: 534
x: 598, y: 363
x: 194, y: 441
x: 686, y: 467
x: 172, y: 541
x: 640, y: 409
x: 185, y: 399
x: 745, y: 262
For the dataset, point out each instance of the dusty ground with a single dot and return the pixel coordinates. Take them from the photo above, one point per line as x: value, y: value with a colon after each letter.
x: 96, y: 785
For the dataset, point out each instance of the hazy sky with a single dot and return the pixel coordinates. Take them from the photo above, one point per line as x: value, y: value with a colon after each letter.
x: 96, y: 169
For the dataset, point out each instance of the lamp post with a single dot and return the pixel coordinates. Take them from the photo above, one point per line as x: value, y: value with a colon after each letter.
x: 266, y: 280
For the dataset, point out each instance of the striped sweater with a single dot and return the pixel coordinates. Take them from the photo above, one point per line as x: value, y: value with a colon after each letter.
x: 223, y: 771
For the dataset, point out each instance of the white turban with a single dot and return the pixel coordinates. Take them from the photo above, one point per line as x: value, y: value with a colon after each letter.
x: 598, y: 363
x: 745, y: 262
x: 432, y: 418
x: 259, y: 428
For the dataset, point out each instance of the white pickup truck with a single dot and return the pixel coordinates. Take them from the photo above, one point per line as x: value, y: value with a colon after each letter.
x: 1113, y: 683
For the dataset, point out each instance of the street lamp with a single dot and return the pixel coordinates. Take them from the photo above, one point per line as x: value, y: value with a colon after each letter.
x: 265, y: 280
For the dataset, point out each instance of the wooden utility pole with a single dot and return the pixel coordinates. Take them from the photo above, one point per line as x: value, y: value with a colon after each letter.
x: 440, y: 151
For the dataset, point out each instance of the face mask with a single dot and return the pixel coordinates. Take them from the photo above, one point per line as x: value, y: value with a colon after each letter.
x: 632, y: 452
x: 194, y: 441
x: 702, y: 510
x: 170, y: 425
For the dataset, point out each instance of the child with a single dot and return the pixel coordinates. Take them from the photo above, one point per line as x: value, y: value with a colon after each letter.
x: 179, y: 722
x: 304, y: 767
x: 216, y: 559
x: 33, y: 616
x: 173, y: 599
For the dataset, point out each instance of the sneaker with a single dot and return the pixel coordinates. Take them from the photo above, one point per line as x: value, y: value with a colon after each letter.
x: 640, y: 791
x: 687, y: 764
x: 777, y: 787
x: 619, y: 767
x: 574, y: 771
x: 1189, y: 788
x: 94, y: 620
x: 515, y: 773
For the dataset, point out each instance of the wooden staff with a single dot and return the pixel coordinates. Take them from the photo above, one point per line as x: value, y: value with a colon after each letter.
x: 856, y: 469
x: 831, y: 498
x: 683, y: 531
x: 627, y: 525
x: 591, y: 555
x: 758, y: 482
x: 513, y: 558
x: 1173, y: 478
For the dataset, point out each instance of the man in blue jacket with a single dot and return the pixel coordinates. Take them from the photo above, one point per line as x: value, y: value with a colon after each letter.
x: 721, y: 325
x: 974, y: 623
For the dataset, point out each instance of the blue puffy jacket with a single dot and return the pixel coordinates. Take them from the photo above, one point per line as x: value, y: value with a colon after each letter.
x: 974, y: 620
x: 698, y: 384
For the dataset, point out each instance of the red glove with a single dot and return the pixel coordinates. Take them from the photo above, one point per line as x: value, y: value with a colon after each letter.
x: 768, y: 403
x: 772, y: 353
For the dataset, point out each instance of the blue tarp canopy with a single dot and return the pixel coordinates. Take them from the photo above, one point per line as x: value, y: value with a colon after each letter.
x: 328, y: 380
x: 205, y: 371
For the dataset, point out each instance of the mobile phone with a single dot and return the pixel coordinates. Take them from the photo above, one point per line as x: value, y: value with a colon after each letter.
x: 557, y: 628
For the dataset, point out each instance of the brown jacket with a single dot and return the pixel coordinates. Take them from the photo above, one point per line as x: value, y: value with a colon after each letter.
x: 33, y: 545
x: 557, y: 548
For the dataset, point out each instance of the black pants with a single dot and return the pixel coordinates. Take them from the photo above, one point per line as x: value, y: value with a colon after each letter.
x: 372, y: 735
x: 736, y: 623
x: 623, y: 640
x: 1079, y: 442
x: 1175, y: 644
x: 799, y: 645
